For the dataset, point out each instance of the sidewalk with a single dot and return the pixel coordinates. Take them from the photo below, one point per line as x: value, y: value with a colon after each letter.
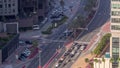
x: 104, y: 29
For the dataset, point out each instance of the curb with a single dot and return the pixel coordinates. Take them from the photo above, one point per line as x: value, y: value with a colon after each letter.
x: 50, y: 60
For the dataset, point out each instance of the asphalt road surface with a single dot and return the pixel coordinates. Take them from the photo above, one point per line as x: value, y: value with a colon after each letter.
x: 49, y: 50
x: 101, y: 17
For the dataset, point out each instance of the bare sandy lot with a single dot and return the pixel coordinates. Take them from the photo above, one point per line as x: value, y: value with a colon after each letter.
x: 80, y: 63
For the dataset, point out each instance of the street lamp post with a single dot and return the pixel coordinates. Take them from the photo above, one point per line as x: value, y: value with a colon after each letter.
x: 39, y: 58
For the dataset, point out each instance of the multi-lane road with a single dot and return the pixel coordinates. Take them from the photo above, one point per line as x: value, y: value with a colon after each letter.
x: 49, y: 50
x: 101, y: 17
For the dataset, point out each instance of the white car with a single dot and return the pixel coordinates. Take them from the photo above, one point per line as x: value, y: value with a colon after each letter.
x: 27, y: 52
x: 82, y: 47
x: 36, y: 27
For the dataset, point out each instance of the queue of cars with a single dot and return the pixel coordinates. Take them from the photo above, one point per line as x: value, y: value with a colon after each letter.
x: 24, y: 54
x: 70, y: 54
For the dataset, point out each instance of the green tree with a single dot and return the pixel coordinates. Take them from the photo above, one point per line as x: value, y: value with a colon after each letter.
x: 118, y: 59
x: 111, y: 61
x: 35, y: 43
x: 103, y: 60
x: 87, y: 60
x: 105, y: 39
x: 96, y: 61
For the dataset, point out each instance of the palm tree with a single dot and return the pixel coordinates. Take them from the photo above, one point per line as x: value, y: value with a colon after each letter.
x: 103, y: 59
x: 35, y: 43
x: 111, y: 61
x: 118, y: 59
x: 87, y: 60
x: 96, y: 61
x: 99, y: 62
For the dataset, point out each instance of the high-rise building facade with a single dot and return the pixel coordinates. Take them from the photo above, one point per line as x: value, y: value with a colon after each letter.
x: 8, y: 15
x: 8, y: 7
x: 115, y: 30
x: 32, y: 12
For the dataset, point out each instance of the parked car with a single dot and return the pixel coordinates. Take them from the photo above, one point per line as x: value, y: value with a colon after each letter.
x: 56, y: 16
x: 22, y: 58
x: 28, y: 42
x: 36, y: 27
x: 27, y: 52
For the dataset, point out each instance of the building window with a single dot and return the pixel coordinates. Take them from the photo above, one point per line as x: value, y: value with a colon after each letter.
x: 9, y: 5
x: 13, y: 4
x: 115, y: 0
x: 116, y: 6
x: 13, y: 10
x: 0, y: 6
x: 4, y: 0
x: 40, y: 6
x: 115, y: 27
x: 115, y: 20
x: 115, y: 50
x: 5, y: 5
x: 40, y: 18
x: 115, y: 13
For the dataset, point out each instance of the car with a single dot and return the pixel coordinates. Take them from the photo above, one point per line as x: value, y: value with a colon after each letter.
x: 56, y: 65
x: 27, y: 52
x: 22, y: 58
x: 66, y: 54
x: 82, y: 47
x: 21, y: 42
x: 56, y: 16
x: 36, y: 27
x: 28, y: 42
x: 23, y: 55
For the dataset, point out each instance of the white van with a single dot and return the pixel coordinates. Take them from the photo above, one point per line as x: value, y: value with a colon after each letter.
x: 36, y: 27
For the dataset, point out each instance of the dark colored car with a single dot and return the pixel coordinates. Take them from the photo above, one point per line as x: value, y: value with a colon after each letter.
x: 28, y: 42
x: 56, y: 16
x: 22, y: 58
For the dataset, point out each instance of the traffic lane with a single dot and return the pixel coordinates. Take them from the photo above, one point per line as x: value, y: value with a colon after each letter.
x: 81, y: 8
x: 34, y: 63
x: 48, y: 52
x: 92, y: 30
x: 62, y: 28
x: 46, y: 55
x: 52, y: 47
x: 99, y: 20
x: 52, y: 64
x: 70, y: 59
